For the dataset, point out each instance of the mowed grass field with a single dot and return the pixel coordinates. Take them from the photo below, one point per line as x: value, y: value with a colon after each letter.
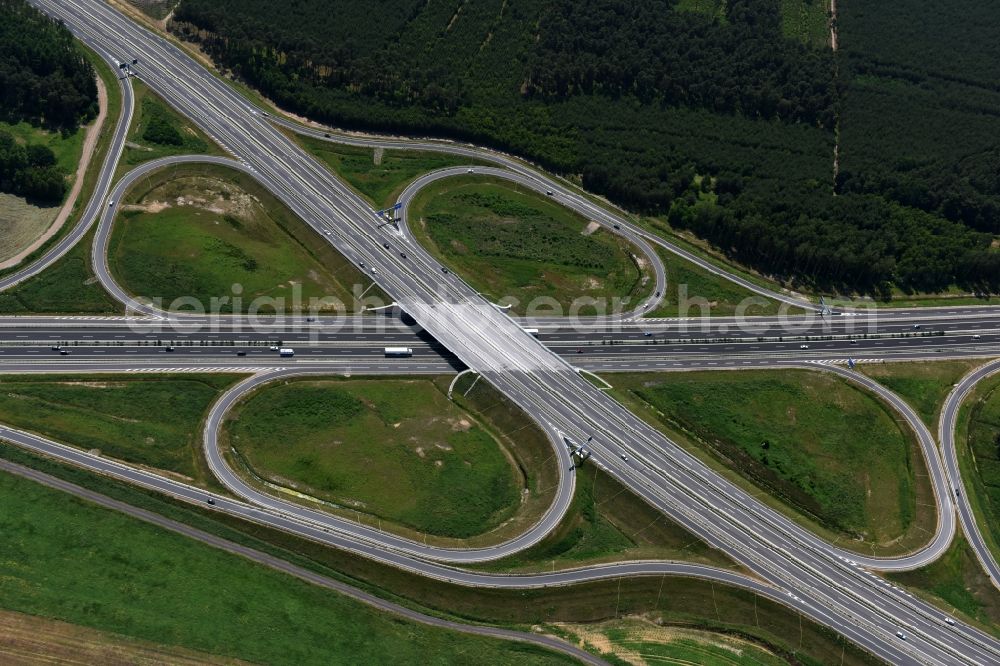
x: 152, y: 420
x: 924, y: 385
x: 68, y: 286
x: 514, y: 244
x: 378, y: 175
x: 816, y: 443
x: 64, y: 559
x: 397, y: 449
x: 693, y: 292
x: 195, y: 231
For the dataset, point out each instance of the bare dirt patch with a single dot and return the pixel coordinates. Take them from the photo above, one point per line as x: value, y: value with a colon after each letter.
x: 590, y: 228
x: 26, y: 639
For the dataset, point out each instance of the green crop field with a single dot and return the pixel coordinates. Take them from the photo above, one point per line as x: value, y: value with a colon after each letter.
x: 672, y: 601
x: 159, y: 131
x: 71, y: 561
x: 196, y: 231
x: 67, y: 286
x: 922, y: 384
x: 392, y: 448
x: 514, y: 244
x: 378, y: 175
x: 151, y: 420
x: 805, y: 437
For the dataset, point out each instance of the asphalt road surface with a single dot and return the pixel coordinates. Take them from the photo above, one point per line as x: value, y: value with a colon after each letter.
x: 808, y: 575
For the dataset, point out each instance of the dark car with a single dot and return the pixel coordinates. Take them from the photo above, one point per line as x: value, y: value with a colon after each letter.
x: 241, y: 353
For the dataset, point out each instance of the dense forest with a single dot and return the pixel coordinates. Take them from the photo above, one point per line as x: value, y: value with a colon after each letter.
x: 44, y: 77
x: 30, y: 171
x: 719, y: 123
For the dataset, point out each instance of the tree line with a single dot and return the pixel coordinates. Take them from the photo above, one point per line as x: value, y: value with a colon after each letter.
x: 44, y: 77
x: 716, y: 124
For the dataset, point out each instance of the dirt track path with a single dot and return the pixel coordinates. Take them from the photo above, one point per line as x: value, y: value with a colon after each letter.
x: 89, y: 144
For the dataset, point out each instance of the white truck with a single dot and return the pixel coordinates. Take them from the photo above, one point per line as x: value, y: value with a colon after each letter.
x: 286, y: 351
x: 398, y: 352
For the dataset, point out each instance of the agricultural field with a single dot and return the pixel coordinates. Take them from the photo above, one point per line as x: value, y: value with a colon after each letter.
x: 802, y: 436
x: 392, y: 448
x: 378, y: 175
x: 196, y: 231
x: 672, y: 602
x: 518, y: 247
x: 151, y: 420
x: 170, y: 590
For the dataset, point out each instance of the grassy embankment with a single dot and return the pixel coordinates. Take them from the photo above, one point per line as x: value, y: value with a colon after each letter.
x: 94, y: 567
x: 679, y: 602
x: 804, y: 438
x: 197, y: 230
x: 922, y: 384
x: 977, y: 442
x: 515, y: 244
x: 378, y: 175
x: 159, y: 131
x: 68, y: 285
x: 151, y: 420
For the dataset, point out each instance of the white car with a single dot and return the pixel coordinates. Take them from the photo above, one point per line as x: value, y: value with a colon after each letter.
x: 803, y: 346
x: 274, y: 347
x: 901, y: 635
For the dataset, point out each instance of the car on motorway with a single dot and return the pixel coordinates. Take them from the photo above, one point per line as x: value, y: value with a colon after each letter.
x: 623, y: 456
x: 64, y: 352
x: 949, y: 621
x: 901, y: 635
x: 274, y: 348
x: 326, y: 135
x: 241, y: 353
x: 111, y: 202
x: 444, y: 270
x: 210, y: 500
x: 618, y: 226
x: 549, y: 192
x: 470, y: 170
x: 853, y: 341
x: 403, y: 255
x: 916, y: 327
x: 647, y: 334
x: 385, y: 245
x: 169, y: 348
x: 55, y: 347
x: 976, y: 336
x: 579, y: 351
x: 803, y: 346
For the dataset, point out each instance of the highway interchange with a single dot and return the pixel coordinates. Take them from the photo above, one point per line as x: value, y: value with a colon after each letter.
x: 458, y: 329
